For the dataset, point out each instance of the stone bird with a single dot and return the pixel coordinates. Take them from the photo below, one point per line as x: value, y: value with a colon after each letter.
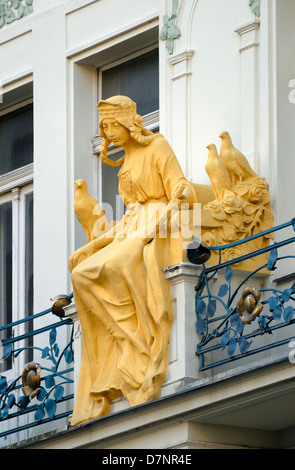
x: 217, y: 173
x: 87, y: 209
x: 234, y: 161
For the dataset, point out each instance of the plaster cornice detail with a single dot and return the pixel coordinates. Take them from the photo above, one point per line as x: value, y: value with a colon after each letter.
x: 181, y: 64
x: 249, y: 35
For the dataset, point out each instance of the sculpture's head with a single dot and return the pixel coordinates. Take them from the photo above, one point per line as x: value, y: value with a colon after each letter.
x: 124, y: 111
x: 121, y: 108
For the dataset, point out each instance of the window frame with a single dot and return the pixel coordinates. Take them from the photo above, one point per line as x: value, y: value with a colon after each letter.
x: 15, y: 186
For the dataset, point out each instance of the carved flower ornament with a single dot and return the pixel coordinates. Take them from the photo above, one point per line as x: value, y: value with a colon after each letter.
x: 232, y: 203
x: 31, y: 379
x: 249, y: 306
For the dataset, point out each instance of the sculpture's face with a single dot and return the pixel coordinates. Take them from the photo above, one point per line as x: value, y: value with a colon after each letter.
x: 115, y: 132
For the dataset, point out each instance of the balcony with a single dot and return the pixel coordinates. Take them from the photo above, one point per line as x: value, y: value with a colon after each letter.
x: 231, y: 357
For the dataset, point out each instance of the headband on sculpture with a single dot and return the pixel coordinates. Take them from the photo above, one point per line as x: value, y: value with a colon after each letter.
x: 116, y: 106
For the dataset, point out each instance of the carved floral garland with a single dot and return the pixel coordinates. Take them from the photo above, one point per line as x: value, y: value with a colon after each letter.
x: 242, y: 212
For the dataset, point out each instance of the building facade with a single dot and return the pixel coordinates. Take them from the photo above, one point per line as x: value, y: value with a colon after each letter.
x: 195, y: 68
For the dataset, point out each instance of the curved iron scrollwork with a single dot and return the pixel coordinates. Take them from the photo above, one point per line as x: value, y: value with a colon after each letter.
x: 231, y: 318
x: 43, y: 385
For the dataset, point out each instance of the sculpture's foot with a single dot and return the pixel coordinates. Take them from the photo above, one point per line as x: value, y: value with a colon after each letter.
x: 93, y: 410
x: 149, y: 390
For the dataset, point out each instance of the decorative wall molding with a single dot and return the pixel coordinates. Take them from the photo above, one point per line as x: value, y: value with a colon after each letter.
x: 181, y: 64
x: 170, y: 31
x: 249, y: 43
x: 180, y: 106
x: 12, y: 10
x: 249, y: 34
x: 255, y: 6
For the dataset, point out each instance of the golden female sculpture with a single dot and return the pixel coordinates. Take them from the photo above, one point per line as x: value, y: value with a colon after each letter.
x: 122, y: 298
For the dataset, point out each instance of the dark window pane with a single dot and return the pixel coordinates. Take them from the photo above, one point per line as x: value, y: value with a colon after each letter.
x: 29, y: 268
x: 6, y: 272
x: 16, y: 139
x: 138, y: 79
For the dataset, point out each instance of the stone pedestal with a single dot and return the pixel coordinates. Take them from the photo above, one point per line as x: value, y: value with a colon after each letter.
x: 183, y: 365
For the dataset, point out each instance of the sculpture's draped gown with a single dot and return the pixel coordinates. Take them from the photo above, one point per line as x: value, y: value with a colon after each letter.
x: 122, y: 297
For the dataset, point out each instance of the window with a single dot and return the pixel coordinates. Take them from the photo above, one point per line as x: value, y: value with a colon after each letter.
x: 138, y: 78
x: 16, y: 139
x: 16, y: 219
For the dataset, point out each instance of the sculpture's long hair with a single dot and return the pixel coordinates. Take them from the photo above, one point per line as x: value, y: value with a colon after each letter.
x: 137, y: 132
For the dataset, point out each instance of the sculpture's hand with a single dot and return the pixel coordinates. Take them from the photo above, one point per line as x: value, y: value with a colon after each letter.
x: 80, y: 255
x: 177, y: 195
x: 87, y: 250
x: 182, y: 195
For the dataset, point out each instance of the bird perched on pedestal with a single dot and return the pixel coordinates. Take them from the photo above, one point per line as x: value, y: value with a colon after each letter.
x: 217, y: 173
x: 234, y: 161
x: 86, y: 208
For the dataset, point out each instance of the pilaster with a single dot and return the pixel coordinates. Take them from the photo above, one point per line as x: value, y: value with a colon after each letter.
x: 183, y: 365
x: 249, y: 42
x: 180, y: 107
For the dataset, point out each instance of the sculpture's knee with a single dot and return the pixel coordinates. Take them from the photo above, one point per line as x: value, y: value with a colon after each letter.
x: 77, y: 276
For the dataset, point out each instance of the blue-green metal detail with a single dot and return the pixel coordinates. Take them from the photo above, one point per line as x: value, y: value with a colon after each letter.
x: 170, y: 31
x: 12, y: 10
x: 255, y: 5
x: 56, y: 367
x: 224, y: 335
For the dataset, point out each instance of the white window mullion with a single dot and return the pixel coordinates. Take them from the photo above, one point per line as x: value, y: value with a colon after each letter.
x: 15, y: 251
x: 21, y: 313
x: 21, y: 257
x: 15, y: 264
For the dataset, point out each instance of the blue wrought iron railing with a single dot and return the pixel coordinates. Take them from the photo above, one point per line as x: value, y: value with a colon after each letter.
x: 40, y: 390
x: 231, y: 319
